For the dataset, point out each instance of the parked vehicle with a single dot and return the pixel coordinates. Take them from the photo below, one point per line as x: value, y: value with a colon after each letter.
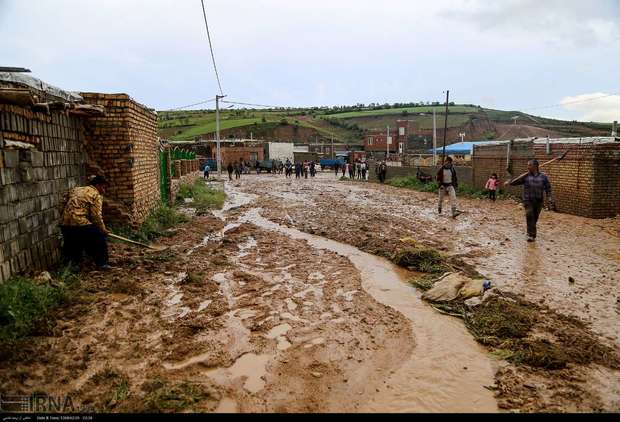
x: 330, y: 162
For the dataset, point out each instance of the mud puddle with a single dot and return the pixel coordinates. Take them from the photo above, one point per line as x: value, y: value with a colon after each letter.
x: 447, y: 370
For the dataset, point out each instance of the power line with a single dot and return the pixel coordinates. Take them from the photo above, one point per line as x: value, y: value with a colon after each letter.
x: 571, y: 102
x: 204, y: 13
x: 250, y: 104
x: 190, y: 105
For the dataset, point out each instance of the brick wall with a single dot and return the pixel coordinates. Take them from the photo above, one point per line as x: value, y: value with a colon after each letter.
x: 123, y: 146
x: 182, y: 167
x: 586, y: 182
x: 234, y: 154
x: 33, y: 182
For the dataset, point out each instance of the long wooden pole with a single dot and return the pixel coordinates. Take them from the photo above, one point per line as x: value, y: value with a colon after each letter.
x: 445, y: 130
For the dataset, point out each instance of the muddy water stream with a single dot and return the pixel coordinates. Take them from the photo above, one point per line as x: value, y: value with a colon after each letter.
x: 447, y: 369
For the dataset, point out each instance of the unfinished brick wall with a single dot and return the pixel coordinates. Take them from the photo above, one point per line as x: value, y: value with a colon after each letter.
x: 491, y: 159
x: 33, y: 182
x: 123, y: 146
x: 586, y: 182
x: 182, y: 167
x: 235, y: 154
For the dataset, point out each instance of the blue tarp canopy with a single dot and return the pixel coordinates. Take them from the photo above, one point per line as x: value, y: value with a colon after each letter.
x: 458, y: 148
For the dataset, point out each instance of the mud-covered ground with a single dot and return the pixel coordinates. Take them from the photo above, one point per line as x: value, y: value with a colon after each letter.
x: 572, y: 270
x: 244, y: 320
x: 279, y: 303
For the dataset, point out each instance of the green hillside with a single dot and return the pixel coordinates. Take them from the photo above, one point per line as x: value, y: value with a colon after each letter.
x: 405, y: 111
x: 349, y: 123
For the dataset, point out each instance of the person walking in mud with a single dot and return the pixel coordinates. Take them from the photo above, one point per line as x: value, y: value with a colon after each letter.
x: 237, y: 171
x: 446, y: 178
x: 206, y: 171
x: 230, y: 169
x: 491, y: 186
x: 381, y: 171
x: 535, y: 186
x: 297, y: 170
x: 364, y: 170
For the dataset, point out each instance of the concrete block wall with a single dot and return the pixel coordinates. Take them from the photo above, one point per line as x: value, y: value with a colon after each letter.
x: 124, y: 147
x: 32, y: 184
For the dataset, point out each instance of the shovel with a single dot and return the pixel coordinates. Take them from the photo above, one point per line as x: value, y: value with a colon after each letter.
x: 124, y: 239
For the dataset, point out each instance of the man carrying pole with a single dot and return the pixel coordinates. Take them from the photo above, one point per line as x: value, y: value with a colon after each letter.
x: 535, y: 185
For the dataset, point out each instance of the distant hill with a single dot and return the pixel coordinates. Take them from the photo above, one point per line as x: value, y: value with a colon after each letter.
x: 349, y: 123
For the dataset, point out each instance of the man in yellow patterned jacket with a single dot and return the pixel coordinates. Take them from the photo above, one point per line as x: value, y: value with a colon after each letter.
x: 82, y: 224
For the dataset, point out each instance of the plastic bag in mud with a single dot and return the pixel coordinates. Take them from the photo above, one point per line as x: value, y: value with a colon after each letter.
x: 454, y: 286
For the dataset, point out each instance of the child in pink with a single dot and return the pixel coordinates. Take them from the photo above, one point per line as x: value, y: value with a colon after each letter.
x: 492, y: 185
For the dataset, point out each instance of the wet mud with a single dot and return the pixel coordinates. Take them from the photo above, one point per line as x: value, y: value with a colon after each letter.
x: 287, y: 301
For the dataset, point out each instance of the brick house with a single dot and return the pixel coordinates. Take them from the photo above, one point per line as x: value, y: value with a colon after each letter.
x: 377, y: 141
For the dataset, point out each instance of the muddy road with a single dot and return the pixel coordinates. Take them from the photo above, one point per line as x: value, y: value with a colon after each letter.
x: 282, y: 302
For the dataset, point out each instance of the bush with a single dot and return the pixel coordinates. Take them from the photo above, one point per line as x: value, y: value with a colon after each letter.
x: 415, y: 184
x: 24, y: 304
x: 159, y: 220
x: 421, y: 259
x: 203, y: 197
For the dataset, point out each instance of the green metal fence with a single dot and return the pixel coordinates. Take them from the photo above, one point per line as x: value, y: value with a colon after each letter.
x: 163, y: 175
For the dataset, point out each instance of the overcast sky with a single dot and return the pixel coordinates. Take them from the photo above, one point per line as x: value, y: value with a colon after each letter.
x: 509, y: 54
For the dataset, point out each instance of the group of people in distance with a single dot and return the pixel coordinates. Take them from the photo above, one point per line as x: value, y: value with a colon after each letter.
x: 358, y: 169
x: 535, y: 184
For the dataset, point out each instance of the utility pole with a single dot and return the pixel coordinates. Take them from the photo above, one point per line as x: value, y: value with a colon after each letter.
x: 445, y: 129
x: 217, y: 133
x: 387, y: 143
x: 332, y: 147
x: 462, y: 135
x: 434, y: 138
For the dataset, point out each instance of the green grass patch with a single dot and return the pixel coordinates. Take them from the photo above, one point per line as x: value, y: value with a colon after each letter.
x: 433, y: 187
x: 420, y: 259
x: 160, y: 219
x: 26, y: 305
x: 203, y: 197
x: 413, y: 183
x: 497, y: 320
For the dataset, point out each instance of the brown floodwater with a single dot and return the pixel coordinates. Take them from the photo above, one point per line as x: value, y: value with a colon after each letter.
x: 447, y: 370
